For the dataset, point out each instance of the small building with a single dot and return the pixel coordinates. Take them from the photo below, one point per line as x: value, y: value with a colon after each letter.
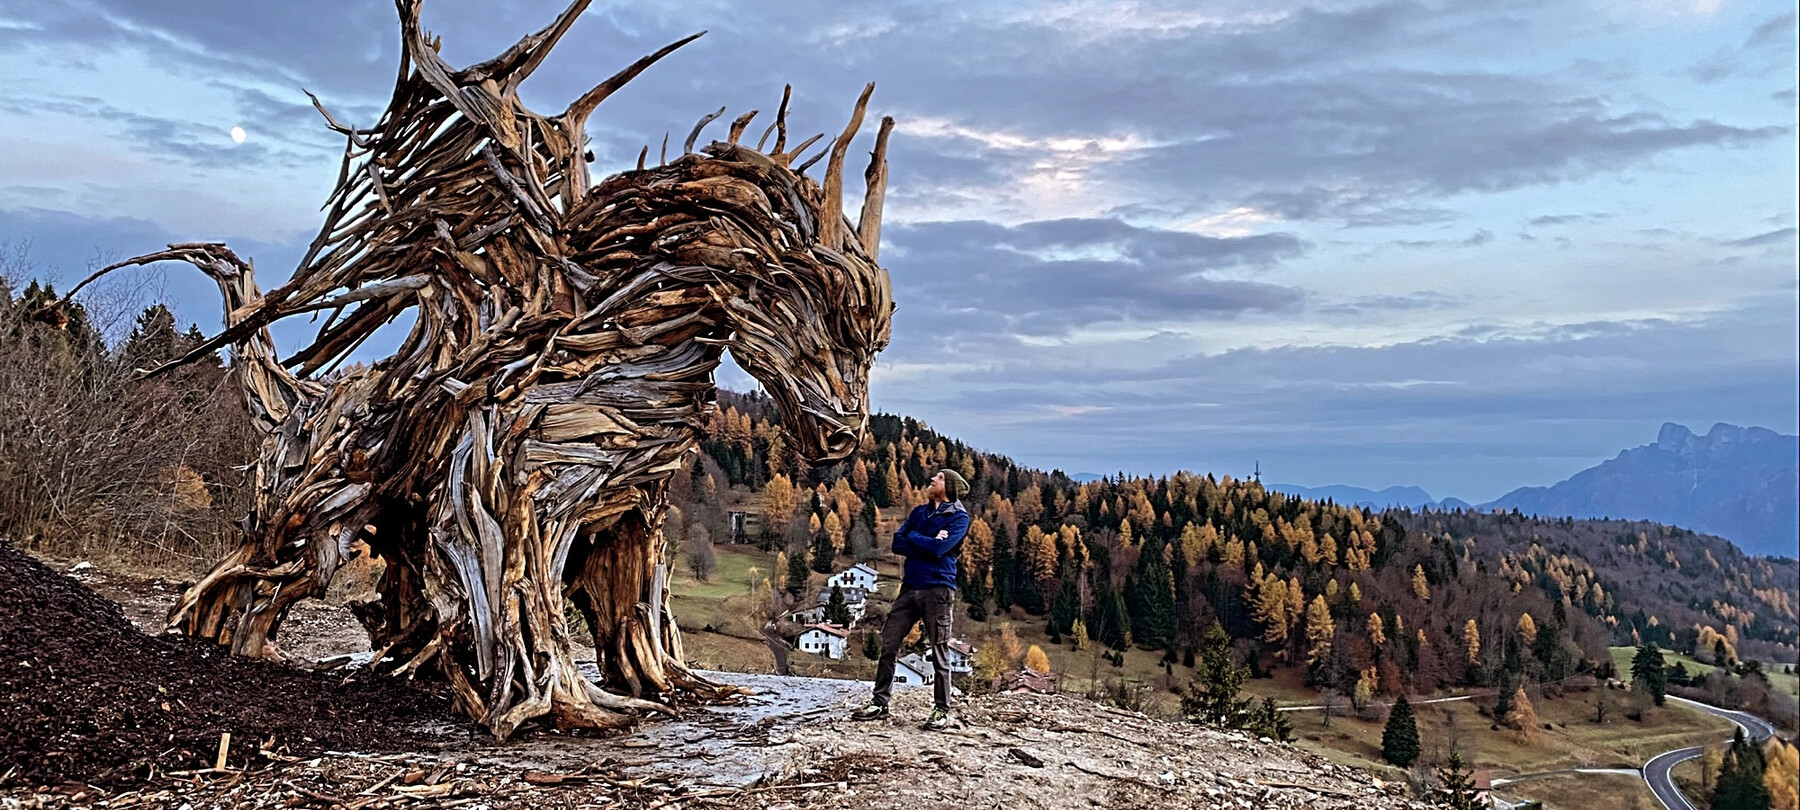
x: 860, y: 576
x: 912, y: 670
x: 962, y: 657
x: 1484, y: 788
x: 742, y: 526
x: 811, y: 615
x: 1024, y: 681
x: 828, y: 640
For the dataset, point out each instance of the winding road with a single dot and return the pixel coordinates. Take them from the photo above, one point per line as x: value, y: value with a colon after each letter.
x: 1656, y: 771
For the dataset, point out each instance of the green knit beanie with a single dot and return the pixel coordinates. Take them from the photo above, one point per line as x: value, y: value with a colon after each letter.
x: 955, y: 485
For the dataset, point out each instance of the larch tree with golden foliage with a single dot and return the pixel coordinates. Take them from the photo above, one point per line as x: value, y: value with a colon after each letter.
x: 1527, y: 629
x: 1421, y: 588
x: 778, y: 503
x: 1521, y: 717
x: 1319, y: 630
x: 1781, y: 774
x: 1471, y: 641
x: 1037, y: 661
x: 1376, y: 631
x: 1271, y: 609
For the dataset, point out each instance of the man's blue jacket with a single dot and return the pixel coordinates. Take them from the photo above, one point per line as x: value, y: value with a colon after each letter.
x: 930, y: 562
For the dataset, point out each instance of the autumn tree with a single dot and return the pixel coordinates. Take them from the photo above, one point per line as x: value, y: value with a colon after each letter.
x: 1527, y: 629
x: 1522, y: 717
x: 1420, y: 587
x: 1471, y: 642
x: 1781, y: 774
x: 1272, y: 609
x: 1037, y: 661
x: 778, y: 506
x: 1319, y: 630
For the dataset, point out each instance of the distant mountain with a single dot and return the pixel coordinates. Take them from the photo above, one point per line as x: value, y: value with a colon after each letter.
x: 1408, y: 497
x: 1742, y: 484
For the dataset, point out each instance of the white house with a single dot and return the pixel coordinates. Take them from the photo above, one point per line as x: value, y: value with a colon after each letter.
x: 860, y: 576
x: 912, y: 670
x: 962, y: 657
x: 828, y: 640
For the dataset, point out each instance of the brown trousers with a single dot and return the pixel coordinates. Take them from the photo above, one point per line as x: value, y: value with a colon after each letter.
x: 935, y: 607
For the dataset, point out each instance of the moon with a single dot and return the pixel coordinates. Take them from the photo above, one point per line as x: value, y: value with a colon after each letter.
x: 238, y: 135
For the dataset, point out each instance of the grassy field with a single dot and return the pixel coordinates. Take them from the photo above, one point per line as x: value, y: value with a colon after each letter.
x: 1687, y: 777
x: 1785, y: 682
x: 1585, y: 792
x: 1621, y: 657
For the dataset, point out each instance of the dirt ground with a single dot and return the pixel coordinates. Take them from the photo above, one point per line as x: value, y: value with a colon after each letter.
x: 93, y: 733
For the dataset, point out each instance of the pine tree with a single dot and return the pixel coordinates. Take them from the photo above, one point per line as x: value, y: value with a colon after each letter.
x: 1400, y: 739
x: 1065, y: 609
x: 1647, y: 673
x: 837, y: 611
x: 975, y: 594
x: 152, y: 339
x: 1004, y: 566
x: 1212, y: 697
x: 872, y: 646
x: 1456, y: 784
x: 1266, y: 721
x: 797, y: 572
x: 823, y: 554
x: 1155, y: 623
x: 1740, y: 785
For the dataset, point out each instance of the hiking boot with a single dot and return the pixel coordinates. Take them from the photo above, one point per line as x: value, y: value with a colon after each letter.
x: 870, y: 711
x: 939, y: 720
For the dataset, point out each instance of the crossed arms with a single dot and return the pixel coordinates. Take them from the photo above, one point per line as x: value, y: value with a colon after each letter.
x: 910, y: 542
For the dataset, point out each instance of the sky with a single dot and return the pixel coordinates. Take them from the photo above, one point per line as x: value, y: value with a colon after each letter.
x: 1465, y: 246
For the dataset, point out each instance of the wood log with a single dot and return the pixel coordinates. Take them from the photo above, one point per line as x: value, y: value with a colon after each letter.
x: 512, y: 455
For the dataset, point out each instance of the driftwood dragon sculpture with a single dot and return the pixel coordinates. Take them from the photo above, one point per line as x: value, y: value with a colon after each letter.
x: 512, y: 456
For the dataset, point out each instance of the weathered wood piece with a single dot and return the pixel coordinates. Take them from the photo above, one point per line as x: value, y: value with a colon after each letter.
x: 512, y: 455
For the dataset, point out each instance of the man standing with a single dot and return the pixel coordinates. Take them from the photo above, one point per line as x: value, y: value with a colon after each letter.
x: 930, y: 540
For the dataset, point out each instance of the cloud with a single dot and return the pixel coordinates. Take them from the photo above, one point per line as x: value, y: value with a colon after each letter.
x: 1049, y: 278
x: 1777, y: 31
x: 1095, y: 206
x: 1374, y: 304
x: 1775, y: 237
x: 1566, y: 219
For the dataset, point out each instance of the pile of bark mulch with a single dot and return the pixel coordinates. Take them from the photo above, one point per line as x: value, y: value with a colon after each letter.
x: 86, y: 697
